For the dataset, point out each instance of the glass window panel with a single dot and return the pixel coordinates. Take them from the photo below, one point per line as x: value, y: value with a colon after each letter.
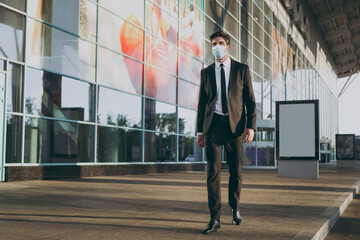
x: 160, y: 116
x: 246, y: 56
x: 246, y: 4
x: 118, y: 145
x: 160, y: 147
x: 161, y: 55
x: 267, y: 73
x: 265, y: 151
x: 259, y: 3
x: 187, y: 121
x: 18, y: 4
x: 246, y: 19
x: 76, y: 16
x: 214, y: 10
x: 257, y: 15
x: 160, y: 24
x: 48, y: 141
x: 12, y: 34
x: 234, y: 51
x: 52, y: 95
x: 190, y: 36
x: 60, y: 52
x: 118, y: 108
x: 188, y: 95
x: 232, y: 26
x: 170, y: 7
x: 120, y: 72
x: 267, y: 26
x: 258, y: 66
x: 160, y: 85
x: 267, y: 57
x: 257, y: 81
x: 189, y: 151
x: 124, y: 36
x: 245, y: 38
x: 14, y: 89
x: 233, y: 8
x: 191, y: 16
x: 257, y: 31
x: 250, y: 153
x: 189, y: 68
x: 13, y: 139
x: 210, y: 27
x: 267, y: 11
x: 209, y: 57
x: 133, y: 12
x: 267, y: 42
x: 258, y: 48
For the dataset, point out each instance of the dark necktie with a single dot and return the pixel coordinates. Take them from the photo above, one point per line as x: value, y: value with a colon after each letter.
x: 223, y: 90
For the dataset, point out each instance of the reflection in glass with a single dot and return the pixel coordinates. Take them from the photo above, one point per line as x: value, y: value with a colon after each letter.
x: 118, y: 108
x: 160, y: 147
x: 124, y: 36
x: 188, y: 94
x: 249, y: 157
x: 161, y: 24
x: 118, y: 145
x: 14, y: 89
x: 160, y: 85
x: 48, y: 141
x: 75, y: 16
x: 12, y: 34
x: 117, y: 71
x: 13, y: 139
x: 189, y: 151
x: 232, y: 26
x: 191, y: 28
x: 130, y: 10
x: 161, y: 55
x: 60, y: 52
x: 18, y: 4
x: 160, y: 116
x: 189, y: 68
x: 187, y: 121
x: 52, y: 95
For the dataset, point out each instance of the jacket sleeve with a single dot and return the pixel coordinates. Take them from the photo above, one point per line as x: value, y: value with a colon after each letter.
x: 201, y: 104
x: 249, y: 100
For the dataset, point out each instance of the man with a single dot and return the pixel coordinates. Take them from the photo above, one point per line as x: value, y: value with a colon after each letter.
x: 226, y: 116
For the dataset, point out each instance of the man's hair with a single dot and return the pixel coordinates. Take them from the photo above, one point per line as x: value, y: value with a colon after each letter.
x: 222, y: 34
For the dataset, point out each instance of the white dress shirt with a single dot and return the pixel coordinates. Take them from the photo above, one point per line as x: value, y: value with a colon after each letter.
x: 227, y: 65
x: 218, y: 104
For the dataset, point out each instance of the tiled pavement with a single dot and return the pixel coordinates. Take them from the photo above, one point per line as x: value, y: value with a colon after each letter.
x: 173, y: 206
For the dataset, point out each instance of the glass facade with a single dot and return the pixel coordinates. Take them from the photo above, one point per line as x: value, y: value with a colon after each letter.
x: 117, y: 81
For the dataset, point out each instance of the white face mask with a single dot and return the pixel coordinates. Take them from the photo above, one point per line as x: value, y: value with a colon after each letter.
x: 219, y: 51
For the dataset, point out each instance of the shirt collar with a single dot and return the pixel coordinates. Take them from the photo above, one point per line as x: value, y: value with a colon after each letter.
x: 226, y: 63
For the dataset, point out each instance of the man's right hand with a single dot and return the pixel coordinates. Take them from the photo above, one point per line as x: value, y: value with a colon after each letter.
x: 200, y: 140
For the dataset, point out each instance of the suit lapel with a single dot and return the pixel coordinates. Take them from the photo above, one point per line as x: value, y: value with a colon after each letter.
x: 212, y: 78
x: 232, y: 75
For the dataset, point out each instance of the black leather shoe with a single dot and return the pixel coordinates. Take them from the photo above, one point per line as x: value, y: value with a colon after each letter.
x: 236, y: 218
x: 213, y: 226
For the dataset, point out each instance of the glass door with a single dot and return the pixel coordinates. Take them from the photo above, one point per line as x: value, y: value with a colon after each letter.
x: 2, y: 124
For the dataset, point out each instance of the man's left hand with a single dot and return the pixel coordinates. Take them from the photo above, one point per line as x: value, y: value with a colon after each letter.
x: 249, y: 135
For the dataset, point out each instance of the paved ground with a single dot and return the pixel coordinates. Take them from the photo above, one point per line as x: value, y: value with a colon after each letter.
x: 348, y: 225
x: 170, y: 206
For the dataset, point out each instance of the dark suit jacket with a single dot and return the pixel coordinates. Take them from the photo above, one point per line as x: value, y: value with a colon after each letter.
x: 241, y: 99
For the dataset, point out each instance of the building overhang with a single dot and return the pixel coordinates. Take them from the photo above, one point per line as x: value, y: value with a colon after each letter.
x: 339, y: 20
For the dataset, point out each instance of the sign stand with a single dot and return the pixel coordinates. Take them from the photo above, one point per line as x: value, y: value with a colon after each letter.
x: 345, y: 150
x: 297, y: 138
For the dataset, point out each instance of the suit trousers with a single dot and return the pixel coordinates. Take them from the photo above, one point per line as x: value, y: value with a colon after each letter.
x: 220, y: 135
